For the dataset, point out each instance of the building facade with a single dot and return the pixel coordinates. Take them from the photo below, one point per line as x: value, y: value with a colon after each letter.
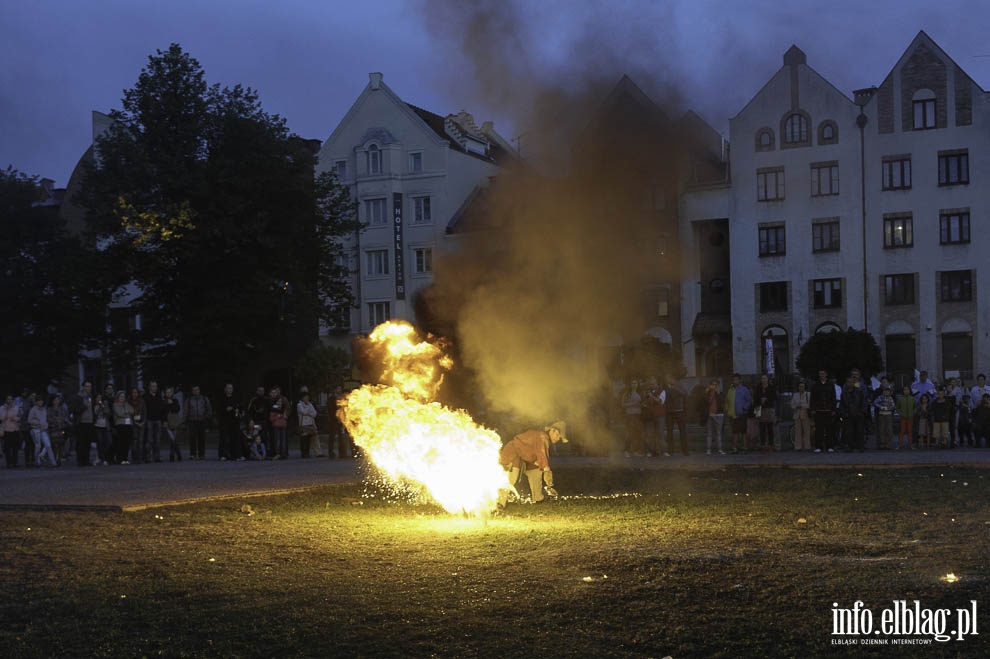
x: 410, y: 170
x: 861, y: 212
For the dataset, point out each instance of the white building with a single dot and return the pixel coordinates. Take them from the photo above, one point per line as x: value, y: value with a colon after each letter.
x: 410, y: 171
x: 856, y: 212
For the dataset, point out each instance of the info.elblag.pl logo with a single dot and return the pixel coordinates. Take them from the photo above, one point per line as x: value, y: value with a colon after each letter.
x: 901, y: 624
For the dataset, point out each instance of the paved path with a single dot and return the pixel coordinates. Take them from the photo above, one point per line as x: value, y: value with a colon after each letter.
x: 138, y: 486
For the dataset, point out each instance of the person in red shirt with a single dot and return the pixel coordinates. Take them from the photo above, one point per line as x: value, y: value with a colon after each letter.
x: 530, y: 452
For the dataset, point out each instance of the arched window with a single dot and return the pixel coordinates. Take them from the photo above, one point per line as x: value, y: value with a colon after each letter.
x: 764, y: 140
x: 775, y: 350
x: 923, y: 103
x: 827, y: 328
x: 828, y: 132
x: 795, y: 129
x: 374, y: 160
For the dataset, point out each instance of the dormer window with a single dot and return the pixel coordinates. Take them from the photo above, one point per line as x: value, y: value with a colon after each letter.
x: 795, y: 129
x: 924, y: 109
x: 764, y: 140
x: 374, y: 160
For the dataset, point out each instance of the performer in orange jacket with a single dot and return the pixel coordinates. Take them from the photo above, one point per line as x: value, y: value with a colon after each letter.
x: 530, y: 452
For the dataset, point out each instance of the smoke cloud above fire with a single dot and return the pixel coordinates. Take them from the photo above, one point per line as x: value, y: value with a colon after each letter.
x: 556, y: 258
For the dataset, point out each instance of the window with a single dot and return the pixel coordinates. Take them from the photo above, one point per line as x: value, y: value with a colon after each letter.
x: 775, y: 355
x: 770, y: 184
x: 340, y: 169
x: 825, y: 236
x: 376, y: 262
x: 898, y: 230
x: 828, y: 133
x: 374, y: 160
x: 824, y: 178
x: 378, y: 313
x: 772, y: 241
x: 416, y: 162
x: 422, y: 260
x: 422, y: 210
x: 374, y: 212
x: 764, y: 139
x: 954, y: 227
x: 827, y: 293
x: 897, y: 173
x: 795, y: 129
x: 898, y: 289
x: 957, y: 286
x: 773, y: 296
x: 953, y: 167
x: 827, y: 328
x: 924, y: 109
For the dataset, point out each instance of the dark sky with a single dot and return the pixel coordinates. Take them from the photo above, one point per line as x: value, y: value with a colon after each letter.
x: 61, y: 59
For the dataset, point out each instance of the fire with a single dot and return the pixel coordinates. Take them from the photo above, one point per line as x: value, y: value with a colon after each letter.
x: 412, y: 438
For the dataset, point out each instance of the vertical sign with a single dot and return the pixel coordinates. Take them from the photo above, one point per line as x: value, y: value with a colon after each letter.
x: 769, y: 345
x: 400, y: 266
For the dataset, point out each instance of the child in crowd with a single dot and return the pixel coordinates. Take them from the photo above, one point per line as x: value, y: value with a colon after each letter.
x: 253, y: 437
x: 924, y: 418
x: 906, y: 411
x: 884, y: 406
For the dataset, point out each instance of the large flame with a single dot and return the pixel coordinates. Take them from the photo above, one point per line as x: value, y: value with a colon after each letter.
x: 412, y: 438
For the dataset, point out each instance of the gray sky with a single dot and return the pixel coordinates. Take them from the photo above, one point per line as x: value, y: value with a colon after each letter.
x: 60, y: 59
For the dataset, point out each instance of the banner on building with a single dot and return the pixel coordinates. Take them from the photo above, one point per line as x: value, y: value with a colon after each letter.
x: 769, y: 351
x: 400, y: 266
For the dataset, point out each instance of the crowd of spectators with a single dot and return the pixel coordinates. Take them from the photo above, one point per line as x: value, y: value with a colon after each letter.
x: 822, y: 416
x: 143, y: 424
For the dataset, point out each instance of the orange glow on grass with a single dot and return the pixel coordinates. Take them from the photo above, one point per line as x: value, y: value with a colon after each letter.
x: 414, y: 440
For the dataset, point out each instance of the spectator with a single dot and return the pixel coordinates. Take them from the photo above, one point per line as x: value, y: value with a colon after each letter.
x: 257, y: 411
x: 196, y: 415
x: 123, y: 428
x: 981, y: 389
x: 981, y: 421
x: 765, y: 412
x: 84, y: 414
x: 924, y: 420
x: 738, y: 403
x: 278, y: 419
x: 632, y: 408
x: 713, y: 417
x: 852, y: 410
x: 58, y: 427
x: 172, y: 425
x: 309, y: 436
x: 964, y: 422
x: 823, y: 407
x: 103, y: 417
x: 10, y: 424
x: 38, y: 422
x: 154, y: 411
x: 676, y: 417
x: 252, y: 436
x: 941, y: 413
x: 654, y: 413
x: 907, y: 410
x: 229, y: 447
x: 139, y: 451
x: 923, y: 386
x: 801, y: 404
x: 885, y: 405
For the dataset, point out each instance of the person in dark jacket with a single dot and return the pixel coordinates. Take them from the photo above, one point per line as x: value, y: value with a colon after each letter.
x: 823, y: 409
x: 853, y: 408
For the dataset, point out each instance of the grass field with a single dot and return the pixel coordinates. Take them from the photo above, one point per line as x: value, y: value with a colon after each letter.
x: 731, y: 563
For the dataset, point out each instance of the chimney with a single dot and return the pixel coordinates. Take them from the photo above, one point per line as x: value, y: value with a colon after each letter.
x: 375, y: 80
x: 862, y: 96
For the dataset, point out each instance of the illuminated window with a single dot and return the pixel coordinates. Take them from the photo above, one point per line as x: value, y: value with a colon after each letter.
x: 898, y: 230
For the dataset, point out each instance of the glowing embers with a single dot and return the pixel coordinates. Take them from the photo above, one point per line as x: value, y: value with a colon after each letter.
x: 414, y: 440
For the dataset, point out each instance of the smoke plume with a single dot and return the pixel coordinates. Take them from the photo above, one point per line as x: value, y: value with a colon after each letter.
x: 559, y: 250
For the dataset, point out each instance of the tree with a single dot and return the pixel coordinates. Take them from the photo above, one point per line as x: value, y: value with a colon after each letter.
x: 209, y: 206
x: 839, y: 353
x: 48, y: 296
x: 322, y: 368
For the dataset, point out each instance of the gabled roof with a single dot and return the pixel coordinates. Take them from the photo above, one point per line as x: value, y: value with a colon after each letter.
x: 793, y: 57
x: 923, y: 38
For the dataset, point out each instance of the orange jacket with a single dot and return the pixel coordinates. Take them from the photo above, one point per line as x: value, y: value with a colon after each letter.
x: 530, y: 449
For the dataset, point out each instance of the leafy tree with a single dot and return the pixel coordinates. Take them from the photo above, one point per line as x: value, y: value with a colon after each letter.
x: 48, y: 296
x: 839, y: 353
x: 209, y: 207
x: 322, y: 368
